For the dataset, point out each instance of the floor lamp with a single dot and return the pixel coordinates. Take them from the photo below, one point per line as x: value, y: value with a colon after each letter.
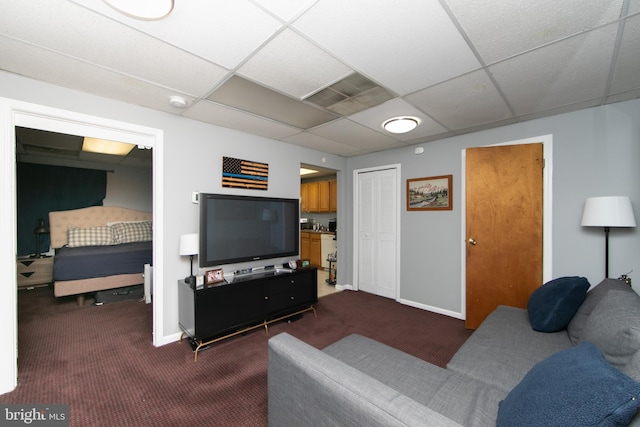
x: 607, y: 212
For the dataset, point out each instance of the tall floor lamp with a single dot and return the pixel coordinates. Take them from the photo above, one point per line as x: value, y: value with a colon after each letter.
x: 607, y: 212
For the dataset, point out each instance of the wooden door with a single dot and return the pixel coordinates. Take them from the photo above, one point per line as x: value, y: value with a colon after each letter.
x: 504, y: 190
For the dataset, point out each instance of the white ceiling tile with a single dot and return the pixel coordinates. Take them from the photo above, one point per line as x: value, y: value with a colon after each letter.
x: 414, y: 36
x: 227, y: 31
x: 354, y: 135
x: 376, y: 116
x: 564, y: 73
x: 210, y: 112
x: 286, y: 9
x: 627, y: 69
x: 499, y: 29
x: 315, y: 142
x: 67, y: 72
x: 114, y: 46
x: 466, y: 101
x: 293, y: 65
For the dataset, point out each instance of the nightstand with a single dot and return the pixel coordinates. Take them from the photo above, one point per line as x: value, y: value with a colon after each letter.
x: 34, y: 271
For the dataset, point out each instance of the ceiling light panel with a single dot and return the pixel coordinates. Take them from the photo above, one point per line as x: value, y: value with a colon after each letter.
x: 307, y: 66
x: 520, y: 26
x: 626, y: 74
x: 469, y: 100
x: 105, y: 146
x: 113, y: 47
x: 222, y: 28
x: 245, y: 95
x: 561, y: 74
x: 426, y: 39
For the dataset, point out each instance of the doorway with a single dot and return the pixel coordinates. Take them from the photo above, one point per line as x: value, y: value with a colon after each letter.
x: 376, y: 219
x: 16, y: 113
x: 524, y: 266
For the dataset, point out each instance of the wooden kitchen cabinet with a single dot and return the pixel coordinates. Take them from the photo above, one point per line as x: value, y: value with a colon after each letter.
x: 305, y: 243
x: 315, y: 249
x: 319, y: 196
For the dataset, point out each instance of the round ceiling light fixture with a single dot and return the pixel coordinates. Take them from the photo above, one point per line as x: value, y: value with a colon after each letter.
x: 400, y: 124
x: 145, y: 10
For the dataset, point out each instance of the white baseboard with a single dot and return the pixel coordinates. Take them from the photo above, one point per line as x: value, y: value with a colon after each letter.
x: 438, y: 310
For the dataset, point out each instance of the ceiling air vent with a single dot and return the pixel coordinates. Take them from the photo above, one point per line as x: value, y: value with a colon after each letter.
x: 350, y: 95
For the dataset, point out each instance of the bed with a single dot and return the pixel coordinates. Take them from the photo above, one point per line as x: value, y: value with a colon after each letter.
x: 99, y: 248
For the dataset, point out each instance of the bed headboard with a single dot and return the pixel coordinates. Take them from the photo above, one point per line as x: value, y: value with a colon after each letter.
x: 61, y: 221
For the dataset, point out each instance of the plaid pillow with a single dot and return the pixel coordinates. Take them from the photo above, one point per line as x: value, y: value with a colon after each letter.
x: 90, y: 236
x: 135, y: 231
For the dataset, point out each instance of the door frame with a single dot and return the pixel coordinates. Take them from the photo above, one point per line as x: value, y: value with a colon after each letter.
x: 547, y: 211
x: 356, y: 222
x: 18, y: 113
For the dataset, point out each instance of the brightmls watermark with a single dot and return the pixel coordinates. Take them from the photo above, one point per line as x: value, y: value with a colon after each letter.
x: 34, y: 415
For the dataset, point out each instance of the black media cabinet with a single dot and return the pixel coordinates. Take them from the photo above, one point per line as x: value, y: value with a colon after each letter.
x: 211, y: 313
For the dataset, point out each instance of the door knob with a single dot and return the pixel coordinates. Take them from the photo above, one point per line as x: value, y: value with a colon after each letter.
x: 472, y: 241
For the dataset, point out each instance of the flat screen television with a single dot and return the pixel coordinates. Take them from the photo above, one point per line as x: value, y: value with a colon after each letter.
x: 244, y: 228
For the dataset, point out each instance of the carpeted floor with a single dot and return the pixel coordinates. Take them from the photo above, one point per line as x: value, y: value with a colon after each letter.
x: 101, y: 362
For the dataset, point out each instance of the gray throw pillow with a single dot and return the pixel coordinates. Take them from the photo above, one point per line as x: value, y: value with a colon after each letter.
x: 594, y: 296
x: 614, y: 327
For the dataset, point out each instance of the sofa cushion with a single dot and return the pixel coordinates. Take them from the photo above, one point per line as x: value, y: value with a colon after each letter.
x: 614, y: 326
x: 572, y: 387
x: 504, y: 348
x: 594, y: 296
x: 552, y: 306
x: 464, y: 400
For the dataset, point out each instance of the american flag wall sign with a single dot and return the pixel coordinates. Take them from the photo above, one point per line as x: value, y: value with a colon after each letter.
x: 240, y: 173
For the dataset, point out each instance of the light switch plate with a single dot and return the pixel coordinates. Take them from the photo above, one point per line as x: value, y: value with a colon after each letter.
x: 194, y: 197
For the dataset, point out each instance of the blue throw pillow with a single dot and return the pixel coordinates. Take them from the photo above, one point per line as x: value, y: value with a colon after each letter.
x: 575, y: 387
x: 552, y: 306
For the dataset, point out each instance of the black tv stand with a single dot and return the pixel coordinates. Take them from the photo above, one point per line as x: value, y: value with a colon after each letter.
x: 212, y: 313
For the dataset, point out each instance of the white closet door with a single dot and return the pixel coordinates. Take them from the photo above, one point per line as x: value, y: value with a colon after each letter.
x: 378, y: 232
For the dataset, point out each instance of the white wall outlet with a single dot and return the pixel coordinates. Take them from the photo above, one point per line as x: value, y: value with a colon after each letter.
x: 194, y: 197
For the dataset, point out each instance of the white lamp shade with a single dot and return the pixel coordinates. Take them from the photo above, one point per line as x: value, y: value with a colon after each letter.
x: 189, y: 244
x: 611, y: 211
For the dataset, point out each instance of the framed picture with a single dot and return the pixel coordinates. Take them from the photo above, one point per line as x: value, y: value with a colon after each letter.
x: 430, y: 194
x: 214, y: 276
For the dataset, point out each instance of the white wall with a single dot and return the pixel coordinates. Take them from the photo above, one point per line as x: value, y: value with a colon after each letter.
x: 130, y: 187
x: 595, y: 153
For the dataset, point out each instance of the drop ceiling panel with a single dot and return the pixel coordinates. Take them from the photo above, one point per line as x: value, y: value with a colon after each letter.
x: 315, y: 142
x: 354, y: 135
x: 564, y: 73
x: 232, y: 118
x: 376, y: 116
x: 286, y: 9
x: 66, y: 72
x: 228, y: 31
x: 293, y: 65
x: 466, y: 101
x: 245, y: 95
x: 499, y: 29
x: 627, y: 71
x: 113, y: 47
x: 416, y: 37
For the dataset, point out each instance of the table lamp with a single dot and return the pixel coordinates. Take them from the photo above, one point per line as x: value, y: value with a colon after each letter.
x: 189, y: 247
x: 40, y: 229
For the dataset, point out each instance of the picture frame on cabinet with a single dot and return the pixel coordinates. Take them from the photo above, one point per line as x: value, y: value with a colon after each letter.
x: 214, y: 276
x: 430, y: 194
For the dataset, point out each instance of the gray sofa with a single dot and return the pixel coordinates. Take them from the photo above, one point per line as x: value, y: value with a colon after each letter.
x: 361, y: 382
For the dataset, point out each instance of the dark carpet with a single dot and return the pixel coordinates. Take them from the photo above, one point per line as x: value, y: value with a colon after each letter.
x: 101, y: 361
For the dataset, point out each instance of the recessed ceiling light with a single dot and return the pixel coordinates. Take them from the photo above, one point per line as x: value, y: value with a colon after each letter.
x: 146, y: 10
x: 105, y: 146
x: 400, y: 124
x: 306, y: 171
